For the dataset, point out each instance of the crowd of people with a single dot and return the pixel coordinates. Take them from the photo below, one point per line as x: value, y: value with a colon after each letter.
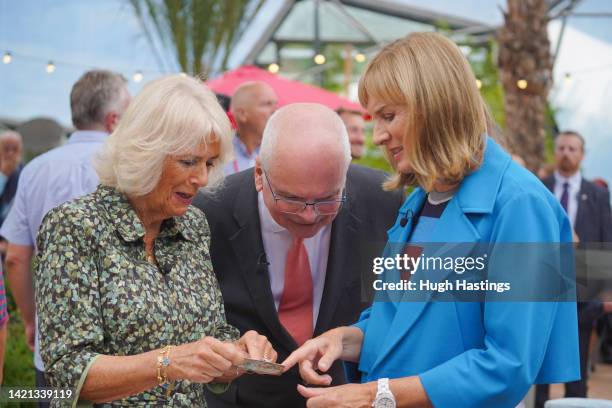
x: 174, y: 241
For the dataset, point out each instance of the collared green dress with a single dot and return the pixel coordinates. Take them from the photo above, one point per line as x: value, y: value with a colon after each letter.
x: 96, y: 293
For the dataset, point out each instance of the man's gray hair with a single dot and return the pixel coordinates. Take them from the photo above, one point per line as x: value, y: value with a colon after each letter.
x: 95, y: 94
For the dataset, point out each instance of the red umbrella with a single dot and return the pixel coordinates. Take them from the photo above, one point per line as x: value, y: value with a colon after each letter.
x: 288, y: 91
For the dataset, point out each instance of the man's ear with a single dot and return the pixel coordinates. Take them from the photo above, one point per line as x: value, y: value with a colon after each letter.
x: 258, y: 174
x: 240, y: 115
x: 110, y: 121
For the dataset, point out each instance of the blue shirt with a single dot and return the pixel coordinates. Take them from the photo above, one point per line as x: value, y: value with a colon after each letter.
x: 242, y: 159
x: 49, y: 180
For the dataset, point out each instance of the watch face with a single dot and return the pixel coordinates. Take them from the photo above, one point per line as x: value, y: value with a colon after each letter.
x: 384, y: 402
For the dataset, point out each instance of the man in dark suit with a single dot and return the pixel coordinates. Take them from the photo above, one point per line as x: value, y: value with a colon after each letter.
x: 292, y: 241
x: 588, y: 208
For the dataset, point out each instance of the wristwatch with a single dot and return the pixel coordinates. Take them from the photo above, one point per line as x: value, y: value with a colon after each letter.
x: 384, y: 397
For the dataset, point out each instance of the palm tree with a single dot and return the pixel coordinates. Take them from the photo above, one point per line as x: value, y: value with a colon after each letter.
x: 200, y: 32
x: 525, y: 65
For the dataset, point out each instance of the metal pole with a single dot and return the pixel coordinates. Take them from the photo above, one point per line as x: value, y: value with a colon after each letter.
x: 317, y: 40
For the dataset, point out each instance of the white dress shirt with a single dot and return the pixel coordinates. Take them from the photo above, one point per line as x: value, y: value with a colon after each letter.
x: 572, y: 192
x: 277, y: 240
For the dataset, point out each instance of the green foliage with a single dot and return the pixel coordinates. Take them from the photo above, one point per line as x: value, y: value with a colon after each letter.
x: 374, y: 157
x: 485, y: 69
x: 18, y: 359
x: 198, y: 31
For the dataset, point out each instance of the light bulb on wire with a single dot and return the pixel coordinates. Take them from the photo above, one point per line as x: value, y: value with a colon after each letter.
x: 50, y: 67
x: 319, y: 59
x: 7, y: 58
x: 273, y: 68
x: 137, y: 76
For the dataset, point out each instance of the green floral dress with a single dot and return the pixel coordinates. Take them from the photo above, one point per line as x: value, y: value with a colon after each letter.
x: 97, y: 294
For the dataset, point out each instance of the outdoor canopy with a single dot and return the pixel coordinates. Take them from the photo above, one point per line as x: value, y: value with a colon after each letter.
x: 288, y: 91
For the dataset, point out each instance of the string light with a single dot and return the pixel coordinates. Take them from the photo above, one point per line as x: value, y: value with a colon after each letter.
x: 567, y: 78
x: 137, y: 76
x: 360, y: 57
x: 7, y: 58
x: 479, y: 83
x: 319, y: 59
x: 522, y: 84
x: 50, y: 67
x: 273, y: 68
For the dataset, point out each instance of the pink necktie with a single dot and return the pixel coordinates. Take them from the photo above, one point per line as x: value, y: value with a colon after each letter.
x: 295, y: 309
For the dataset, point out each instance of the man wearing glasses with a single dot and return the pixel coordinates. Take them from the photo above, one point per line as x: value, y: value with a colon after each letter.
x: 292, y: 240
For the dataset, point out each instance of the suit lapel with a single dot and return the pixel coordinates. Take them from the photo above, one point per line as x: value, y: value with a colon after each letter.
x: 549, y: 182
x: 581, y: 202
x: 247, y: 246
x: 341, y: 265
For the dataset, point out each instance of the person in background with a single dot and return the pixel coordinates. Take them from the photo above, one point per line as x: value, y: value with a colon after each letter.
x: 355, y: 127
x: 11, y: 163
x: 251, y: 106
x: 588, y: 208
x: 97, y: 102
x: 420, y: 351
x: 289, y: 242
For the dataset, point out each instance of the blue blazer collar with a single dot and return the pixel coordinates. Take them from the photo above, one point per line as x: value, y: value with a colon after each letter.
x: 478, y: 191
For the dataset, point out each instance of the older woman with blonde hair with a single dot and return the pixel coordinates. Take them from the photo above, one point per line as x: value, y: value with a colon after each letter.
x: 130, y: 309
x: 409, y: 350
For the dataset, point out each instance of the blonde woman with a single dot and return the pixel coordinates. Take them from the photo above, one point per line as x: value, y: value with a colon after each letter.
x: 431, y: 122
x: 130, y: 311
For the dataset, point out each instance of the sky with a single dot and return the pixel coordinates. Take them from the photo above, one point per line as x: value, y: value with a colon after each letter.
x: 78, y: 35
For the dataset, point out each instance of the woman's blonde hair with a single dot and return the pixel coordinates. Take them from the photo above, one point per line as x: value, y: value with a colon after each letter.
x: 170, y: 116
x: 426, y: 74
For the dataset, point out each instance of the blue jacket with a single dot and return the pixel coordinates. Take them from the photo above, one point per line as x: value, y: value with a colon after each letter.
x: 478, y: 354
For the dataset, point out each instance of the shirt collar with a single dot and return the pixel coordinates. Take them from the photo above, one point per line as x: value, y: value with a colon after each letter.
x: 128, y: 224
x: 240, y: 147
x: 80, y: 136
x: 574, y: 180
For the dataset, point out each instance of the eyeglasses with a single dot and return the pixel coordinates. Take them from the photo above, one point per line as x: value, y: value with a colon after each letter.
x: 323, y: 207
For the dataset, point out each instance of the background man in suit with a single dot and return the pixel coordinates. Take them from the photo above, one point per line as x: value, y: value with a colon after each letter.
x: 291, y: 243
x: 588, y: 208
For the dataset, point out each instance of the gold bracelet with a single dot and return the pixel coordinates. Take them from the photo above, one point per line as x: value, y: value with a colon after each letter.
x: 163, y: 361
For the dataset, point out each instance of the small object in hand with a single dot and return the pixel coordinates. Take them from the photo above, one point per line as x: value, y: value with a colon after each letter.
x: 261, y: 367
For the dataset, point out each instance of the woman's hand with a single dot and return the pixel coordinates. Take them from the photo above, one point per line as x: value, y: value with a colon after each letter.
x: 205, y: 360
x: 257, y: 346
x: 343, y: 396
x: 317, y: 354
